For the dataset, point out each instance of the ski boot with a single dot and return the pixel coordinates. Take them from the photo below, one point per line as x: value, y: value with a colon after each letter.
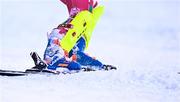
x: 109, y: 67
x: 39, y: 63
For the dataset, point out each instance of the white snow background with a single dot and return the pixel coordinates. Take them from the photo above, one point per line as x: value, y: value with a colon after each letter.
x: 140, y: 37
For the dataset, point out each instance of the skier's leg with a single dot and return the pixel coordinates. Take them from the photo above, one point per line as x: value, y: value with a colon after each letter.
x: 83, y: 58
x: 86, y: 60
x: 63, y: 63
x: 80, y: 46
x: 55, y: 58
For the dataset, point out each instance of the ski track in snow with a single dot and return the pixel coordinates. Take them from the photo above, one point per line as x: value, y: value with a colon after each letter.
x: 140, y: 37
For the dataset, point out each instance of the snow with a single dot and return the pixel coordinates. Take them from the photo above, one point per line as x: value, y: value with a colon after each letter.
x: 140, y: 37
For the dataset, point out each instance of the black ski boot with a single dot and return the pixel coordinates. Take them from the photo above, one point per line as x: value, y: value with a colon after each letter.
x: 39, y: 63
x: 109, y: 67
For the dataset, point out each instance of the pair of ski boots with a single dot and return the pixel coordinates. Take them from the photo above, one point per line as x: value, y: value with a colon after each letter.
x: 41, y: 66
